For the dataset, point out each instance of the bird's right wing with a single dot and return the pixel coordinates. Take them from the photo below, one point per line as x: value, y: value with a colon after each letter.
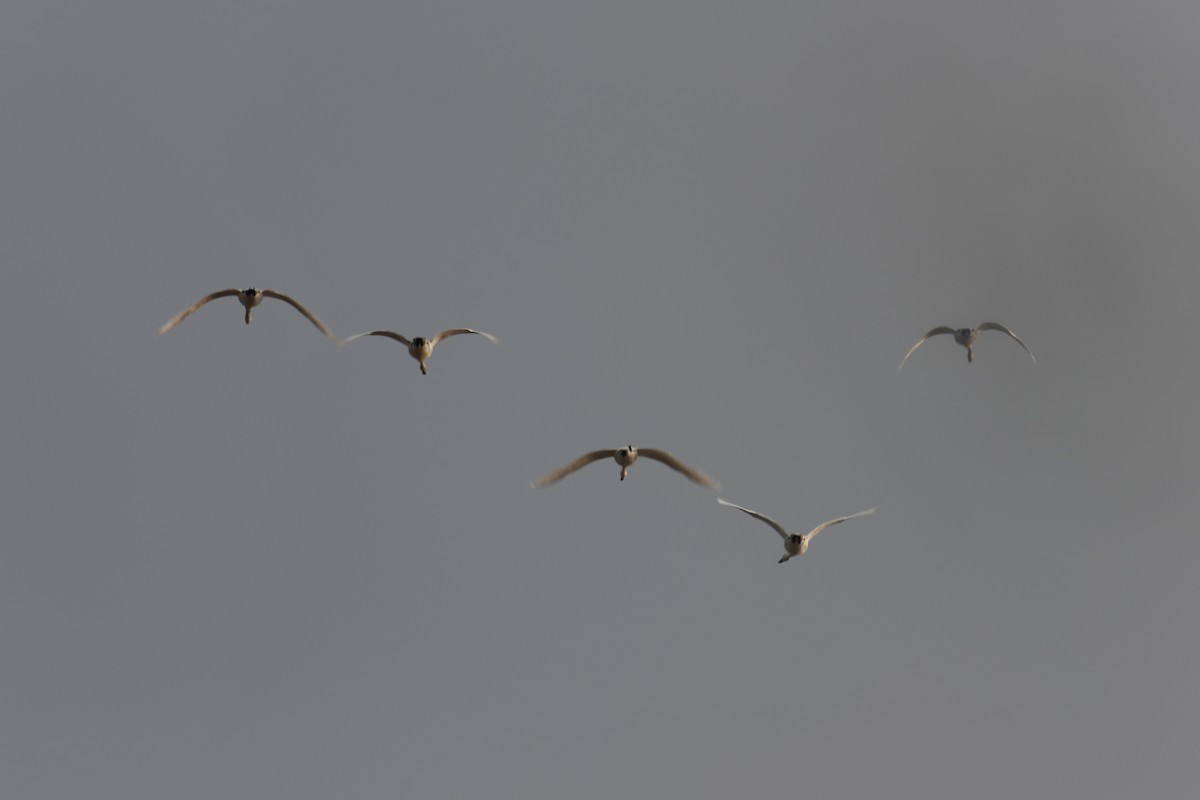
x: 578, y: 464
x: 939, y: 329
x: 778, y: 528
x: 389, y: 334
x: 187, y: 312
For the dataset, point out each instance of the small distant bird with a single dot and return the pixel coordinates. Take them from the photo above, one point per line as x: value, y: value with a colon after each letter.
x: 796, y: 544
x: 250, y: 298
x: 625, y: 456
x: 419, y: 348
x: 966, y: 337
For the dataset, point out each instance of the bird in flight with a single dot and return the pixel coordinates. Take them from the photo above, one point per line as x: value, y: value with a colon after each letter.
x: 625, y: 456
x: 419, y: 348
x: 966, y: 337
x: 794, y: 543
x: 250, y: 298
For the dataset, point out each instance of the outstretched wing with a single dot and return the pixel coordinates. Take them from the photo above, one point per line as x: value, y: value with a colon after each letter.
x: 187, y: 312
x: 938, y: 330
x: 778, y: 528
x: 825, y: 525
x: 996, y: 326
x: 693, y: 474
x: 389, y: 334
x: 455, y: 331
x: 578, y: 464
x: 321, y: 326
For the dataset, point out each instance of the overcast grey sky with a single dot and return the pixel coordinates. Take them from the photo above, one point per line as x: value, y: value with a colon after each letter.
x: 244, y: 562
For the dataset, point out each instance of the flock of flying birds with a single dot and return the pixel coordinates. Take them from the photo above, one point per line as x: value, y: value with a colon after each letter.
x: 795, y: 544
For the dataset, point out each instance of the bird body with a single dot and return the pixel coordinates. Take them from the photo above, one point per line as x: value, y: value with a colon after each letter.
x: 795, y: 544
x: 420, y: 348
x: 625, y: 456
x: 250, y: 299
x: 965, y: 337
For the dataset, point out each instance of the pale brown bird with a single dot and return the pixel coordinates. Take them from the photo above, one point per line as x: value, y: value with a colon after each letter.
x: 794, y: 543
x: 419, y: 348
x: 625, y: 456
x: 250, y: 298
x: 966, y: 337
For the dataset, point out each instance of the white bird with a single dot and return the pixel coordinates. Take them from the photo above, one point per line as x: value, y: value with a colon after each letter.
x: 419, y: 348
x: 966, y: 337
x: 796, y: 544
x: 625, y: 456
x: 250, y: 298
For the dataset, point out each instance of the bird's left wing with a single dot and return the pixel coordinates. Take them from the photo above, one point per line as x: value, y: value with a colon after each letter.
x: 831, y: 522
x: 321, y: 326
x: 996, y: 326
x: 693, y: 474
x: 456, y: 331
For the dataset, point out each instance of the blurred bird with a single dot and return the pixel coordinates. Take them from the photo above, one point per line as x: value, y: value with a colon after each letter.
x: 796, y: 544
x: 625, y: 456
x: 419, y: 348
x: 966, y: 337
x: 250, y: 298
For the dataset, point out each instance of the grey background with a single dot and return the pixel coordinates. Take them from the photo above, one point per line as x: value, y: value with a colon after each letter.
x: 244, y: 562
